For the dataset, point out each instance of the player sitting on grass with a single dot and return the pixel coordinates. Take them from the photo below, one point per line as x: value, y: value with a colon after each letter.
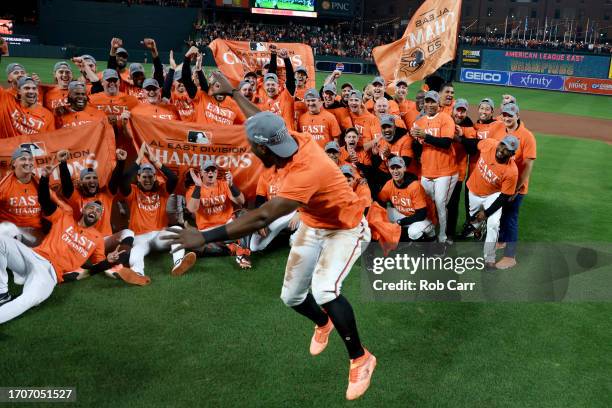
x: 210, y: 200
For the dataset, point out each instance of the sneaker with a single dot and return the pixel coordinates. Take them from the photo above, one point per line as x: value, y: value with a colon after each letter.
x: 112, y: 272
x: 360, y: 374
x: 129, y: 276
x: 320, y: 338
x: 506, y: 263
x: 5, y: 297
x: 184, y: 264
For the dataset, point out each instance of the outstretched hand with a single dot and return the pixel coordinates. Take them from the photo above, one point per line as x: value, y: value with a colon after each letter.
x: 224, y: 87
x: 186, y: 238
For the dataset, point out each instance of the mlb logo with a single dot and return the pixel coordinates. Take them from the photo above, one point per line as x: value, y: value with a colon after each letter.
x: 199, y: 137
x: 38, y: 149
x: 257, y: 46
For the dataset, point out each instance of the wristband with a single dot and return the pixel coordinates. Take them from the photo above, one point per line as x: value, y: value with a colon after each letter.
x: 235, y: 191
x: 218, y: 234
x: 196, y: 192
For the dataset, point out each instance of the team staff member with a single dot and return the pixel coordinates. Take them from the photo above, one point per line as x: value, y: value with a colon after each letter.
x: 210, y: 200
x: 491, y: 186
x: 147, y: 201
x: 436, y: 131
x: 524, y: 157
x: 68, y: 245
x: 321, y: 124
x: 407, y: 203
x: 78, y: 112
x: 327, y: 243
x: 22, y: 114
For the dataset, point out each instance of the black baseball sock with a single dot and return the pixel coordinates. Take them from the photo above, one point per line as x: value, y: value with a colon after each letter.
x: 311, y: 310
x: 341, y: 313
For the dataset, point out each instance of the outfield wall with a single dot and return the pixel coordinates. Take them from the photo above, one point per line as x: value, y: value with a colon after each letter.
x: 553, y: 71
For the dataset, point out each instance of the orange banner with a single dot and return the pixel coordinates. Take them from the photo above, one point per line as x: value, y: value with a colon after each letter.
x: 236, y: 58
x: 430, y: 41
x: 96, y: 137
x: 181, y: 146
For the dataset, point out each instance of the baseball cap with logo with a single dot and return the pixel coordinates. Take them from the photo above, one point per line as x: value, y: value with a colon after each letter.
x: 23, y: 80
x: 488, y: 101
x: 146, y: 167
x: 271, y: 77
x: 14, y: 66
x: 433, y: 95
x: 347, y: 170
x: 397, y: 161
x: 109, y: 74
x: 333, y: 145
x: 75, y: 84
x: 378, y: 80
x: 301, y: 68
x: 387, y: 120
x: 207, y: 164
x: 85, y: 172
x: 122, y: 50
x: 268, y: 129
x: 60, y: 65
x: 96, y: 204
x: 150, y: 82
x: 329, y: 88
x: 87, y: 57
x: 461, y: 103
x: 20, y: 152
x: 511, y: 109
x: 511, y: 142
x: 135, y: 68
x: 356, y: 94
x: 311, y: 94
x: 243, y: 83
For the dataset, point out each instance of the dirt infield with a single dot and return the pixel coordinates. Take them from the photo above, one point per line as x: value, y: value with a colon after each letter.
x: 565, y: 125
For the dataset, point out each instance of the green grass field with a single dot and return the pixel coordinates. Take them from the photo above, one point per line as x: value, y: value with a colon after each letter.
x: 286, y: 5
x: 219, y: 336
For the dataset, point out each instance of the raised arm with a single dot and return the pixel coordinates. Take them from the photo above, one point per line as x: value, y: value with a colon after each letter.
x: 225, y: 88
x: 190, y: 86
x: 47, y: 205
x: 289, y: 74
x: 65, y: 177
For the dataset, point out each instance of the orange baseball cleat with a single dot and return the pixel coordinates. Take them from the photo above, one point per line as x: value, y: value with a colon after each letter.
x: 320, y: 338
x: 184, y: 264
x: 129, y: 276
x: 360, y: 374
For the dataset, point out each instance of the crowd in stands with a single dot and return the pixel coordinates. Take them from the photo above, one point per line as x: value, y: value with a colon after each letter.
x: 553, y: 45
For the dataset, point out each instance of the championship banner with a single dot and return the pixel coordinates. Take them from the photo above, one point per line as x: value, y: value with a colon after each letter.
x: 96, y: 137
x: 236, y: 58
x: 182, y: 145
x: 430, y: 41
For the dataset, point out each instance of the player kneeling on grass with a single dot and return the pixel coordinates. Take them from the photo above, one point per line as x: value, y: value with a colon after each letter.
x: 89, y: 190
x: 491, y: 186
x: 147, y: 201
x: 407, y: 203
x: 327, y: 243
x: 210, y: 200
x: 69, y: 245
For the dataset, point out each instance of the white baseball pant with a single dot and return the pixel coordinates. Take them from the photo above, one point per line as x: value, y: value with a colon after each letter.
x: 151, y: 241
x: 31, y: 270
x: 416, y: 229
x: 440, y: 190
x: 112, y: 241
x: 30, y: 236
x: 259, y: 243
x: 320, y: 259
x: 478, y: 203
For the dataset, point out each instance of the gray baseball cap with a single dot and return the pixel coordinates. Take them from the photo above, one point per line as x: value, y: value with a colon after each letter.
x: 243, y: 83
x: 387, y: 120
x: 23, y: 80
x: 511, y: 99
x: 333, y: 145
x: 302, y: 68
x: 135, y: 68
x: 14, y: 66
x: 271, y: 76
x: 311, y: 94
x: 75, y: 84
x: 109, y: 74
x: 433, y: 95
x: 268, y: 129
x: 89, y: 57
x: 329, y: 88
x: 347, y: 170
x: 461, y: 103
x: 87, y: 171
x: 357, y: 94
x: 511, y: 142
x: 488, y: 101
x: 20, y: 152
x: 207, y: 164
x: 96, y: 204
x: 61, y: 64
x: 397, y: 161
x: 150, y: 82
x: 378, y: 80
x: 511, y: 109
x: 122, y: 50
x: 146, y: 166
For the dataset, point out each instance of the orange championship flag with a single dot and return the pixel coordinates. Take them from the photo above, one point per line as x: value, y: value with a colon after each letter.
x: 430, y: 41
x: 183, y: 145
x: 236, y: 58
x: 96, y: 137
